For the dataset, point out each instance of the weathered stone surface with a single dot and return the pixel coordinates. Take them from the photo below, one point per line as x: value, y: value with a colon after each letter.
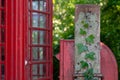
x: 87, y: 25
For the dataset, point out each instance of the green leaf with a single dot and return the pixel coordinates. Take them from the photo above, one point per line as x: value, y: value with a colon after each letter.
x: 90, y: 55
x: 83, y: 22
x: 86, y: 25
x: 82, y: 32
x: 84, y: 64
x: 90, y: 39
x: 89, y: 74
x: 81, y: 48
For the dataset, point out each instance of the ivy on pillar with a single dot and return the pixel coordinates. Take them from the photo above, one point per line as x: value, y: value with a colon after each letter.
x: 87, y: 41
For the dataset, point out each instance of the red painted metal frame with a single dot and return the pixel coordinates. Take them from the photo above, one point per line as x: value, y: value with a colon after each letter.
x: 17, y: 36
x: 66, y: 57
x: 48, y: 38
x: 14, y: 58
x: 16, y: 39
x: 8, y: 69
x: 109, y: 68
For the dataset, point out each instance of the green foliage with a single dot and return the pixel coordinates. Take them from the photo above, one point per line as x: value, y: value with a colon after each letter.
x: 56, y: 68
x: 90, y: 55
x: 86, y: 25
x: 110, y: 27
x: 81, y: 48
x: 83, y: 22
x: 89, y: 74
x: 83, y: 64
x: 87, y: 1
x: 90, y: 39
x: 82, y: 32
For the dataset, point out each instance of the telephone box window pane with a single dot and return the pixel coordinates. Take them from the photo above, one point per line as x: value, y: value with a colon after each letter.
x: 42, y: 5
x: 38, y: 37
x: 38, y: 53
x: 2, y: 3
x: 42, y: 21
x: 34, y: 69
x: 3, y: 71
x: 38, y: 20
x: 2, y: 54
x: 39, y: 5
x: 2, y: 35
x: 2, y: 17
x: 35, y: 4
x: 39, y: 71
x: 35, y: 19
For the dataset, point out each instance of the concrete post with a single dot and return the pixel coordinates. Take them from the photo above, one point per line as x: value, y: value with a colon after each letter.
x: 87, y: 39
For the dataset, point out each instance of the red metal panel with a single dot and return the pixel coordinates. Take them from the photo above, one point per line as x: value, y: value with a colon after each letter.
x: 66, y: 57
x: 9, y: 68
x: 17, y: 39
x: 108, y: 64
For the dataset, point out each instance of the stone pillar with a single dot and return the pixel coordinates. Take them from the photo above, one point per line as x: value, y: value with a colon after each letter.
x: 87, y: 40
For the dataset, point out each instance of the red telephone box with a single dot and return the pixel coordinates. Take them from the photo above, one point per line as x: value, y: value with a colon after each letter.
x: 26, y: 40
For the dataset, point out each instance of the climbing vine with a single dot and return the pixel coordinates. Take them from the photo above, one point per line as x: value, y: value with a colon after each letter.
x: 83, y: 49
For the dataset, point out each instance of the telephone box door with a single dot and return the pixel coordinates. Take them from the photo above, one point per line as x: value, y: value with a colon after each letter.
x: 38, y: 58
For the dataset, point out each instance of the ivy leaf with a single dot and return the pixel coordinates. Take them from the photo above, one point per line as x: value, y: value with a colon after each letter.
x: 86, y: 25
x: 84, y: 64
x: 89, y: 74
x: 90, y: 55
x: 90, y: 39
x: 83, y: 22
x: 81, y: 48
x: 82, y: 32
